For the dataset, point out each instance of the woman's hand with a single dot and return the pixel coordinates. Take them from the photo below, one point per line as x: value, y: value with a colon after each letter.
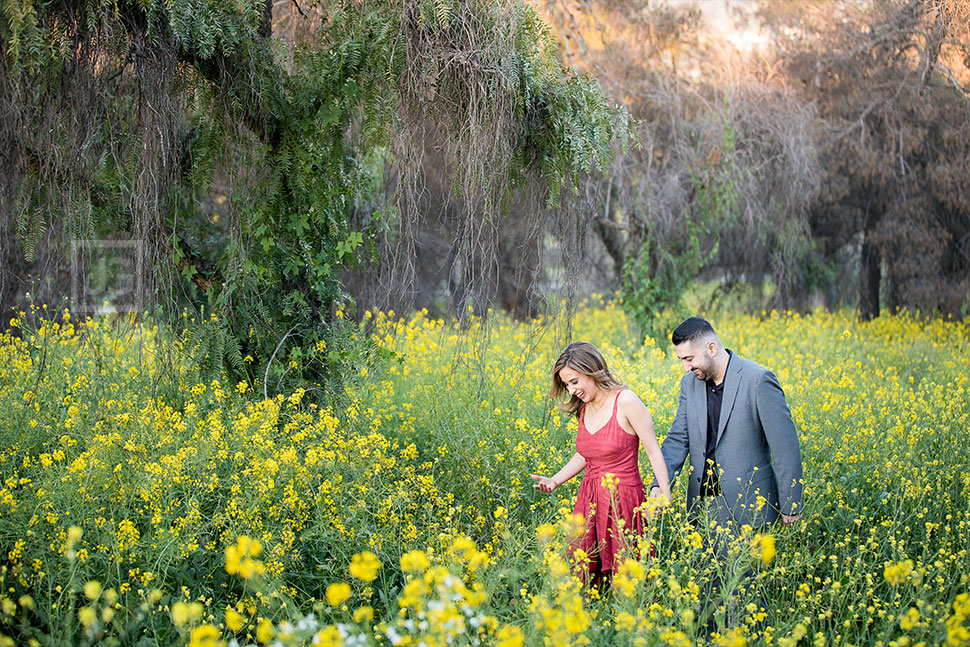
x: 569, y: 470
x: 543, y: 483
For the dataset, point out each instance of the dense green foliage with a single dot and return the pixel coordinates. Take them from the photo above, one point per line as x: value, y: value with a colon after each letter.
x: 191, y: 111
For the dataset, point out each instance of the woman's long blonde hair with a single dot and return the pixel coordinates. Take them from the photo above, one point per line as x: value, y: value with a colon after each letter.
x: 582, y: 357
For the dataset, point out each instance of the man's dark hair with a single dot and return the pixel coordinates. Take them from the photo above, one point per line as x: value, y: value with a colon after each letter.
x: 692, y: 330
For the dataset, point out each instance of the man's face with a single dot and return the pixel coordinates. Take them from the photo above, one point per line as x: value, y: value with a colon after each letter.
x: 698, y: 358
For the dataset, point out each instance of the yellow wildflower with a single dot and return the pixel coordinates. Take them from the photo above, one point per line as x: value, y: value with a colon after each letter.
x: 733, y: 638
x: 205, y: 636
x: 625, y: 621
x: 183, y: 613
x: 338, y: 593
x: 763, y: 547
x: 909, y: 619
x: 92, y: 590
x: 545, y: 533
x: 414, y: 561
x: 240, y: 558
x: 364, y: 614
x: 899, y: 572
x: 265, y: 631
x: 329, y: 636
x: 364, y: 566
x: 87, y: 616
x: 234, y: 620
x: 509, y: 636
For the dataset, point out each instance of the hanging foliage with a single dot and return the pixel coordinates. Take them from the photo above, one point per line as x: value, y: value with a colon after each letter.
x: 236, y: 159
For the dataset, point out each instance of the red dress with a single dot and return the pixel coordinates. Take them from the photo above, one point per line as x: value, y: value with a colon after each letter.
x: 609, y: 450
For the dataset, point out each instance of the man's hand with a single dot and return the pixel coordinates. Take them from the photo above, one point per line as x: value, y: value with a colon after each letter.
x: 543, y: 483
x: 788, y: 519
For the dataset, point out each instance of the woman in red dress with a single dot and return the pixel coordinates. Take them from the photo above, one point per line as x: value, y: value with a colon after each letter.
x: 613, y: 425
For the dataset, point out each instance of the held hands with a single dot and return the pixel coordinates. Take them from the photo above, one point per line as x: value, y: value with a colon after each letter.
x: 657, y: 493
x: 543, y: 483
x: 658, y: 501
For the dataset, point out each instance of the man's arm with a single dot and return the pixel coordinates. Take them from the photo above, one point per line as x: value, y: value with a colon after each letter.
x: 675, y: 446
x: 782, y: 440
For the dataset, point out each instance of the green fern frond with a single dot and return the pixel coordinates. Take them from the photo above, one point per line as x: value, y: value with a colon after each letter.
x: 443, y: 13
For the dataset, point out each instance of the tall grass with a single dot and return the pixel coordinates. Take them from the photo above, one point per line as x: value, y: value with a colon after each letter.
x: 123, y: 469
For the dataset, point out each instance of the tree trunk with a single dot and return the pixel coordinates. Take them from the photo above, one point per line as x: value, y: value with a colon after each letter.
x: 11, y: 266
x: 870, y: 275
x: 519, y: 264
x: 11, y: 255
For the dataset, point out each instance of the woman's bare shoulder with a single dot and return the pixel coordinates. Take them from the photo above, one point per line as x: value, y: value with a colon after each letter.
x: 627, y: 398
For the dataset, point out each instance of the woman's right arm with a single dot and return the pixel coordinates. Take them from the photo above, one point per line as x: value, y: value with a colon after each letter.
x: 575, y: 465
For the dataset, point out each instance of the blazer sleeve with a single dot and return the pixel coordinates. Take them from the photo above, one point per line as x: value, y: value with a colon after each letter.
x: 675, y: 444
x: 782, y: 440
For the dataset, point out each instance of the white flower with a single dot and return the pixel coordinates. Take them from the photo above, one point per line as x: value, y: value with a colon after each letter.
x: 393, y: 636
x: 307, y: 624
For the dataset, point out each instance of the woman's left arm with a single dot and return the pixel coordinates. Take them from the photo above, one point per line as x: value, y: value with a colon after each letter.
x: 638, y: 420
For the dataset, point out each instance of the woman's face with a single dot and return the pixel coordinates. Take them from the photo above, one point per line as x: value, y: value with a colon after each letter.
x: 579, y: 384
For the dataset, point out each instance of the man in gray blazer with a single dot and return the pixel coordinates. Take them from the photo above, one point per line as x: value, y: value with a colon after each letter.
x: 745, y: 463
x: 733, y: 422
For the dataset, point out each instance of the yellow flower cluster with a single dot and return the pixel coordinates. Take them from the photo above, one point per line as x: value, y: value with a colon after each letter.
x: 558, y: 612
x: 763, y: 547
x: 438, y: 606
x: 364, y: 566
x: 338, y: 593
x: 415, y: 560
x: 241, y: 558
x: 898, y: 572
x: 957, y: 632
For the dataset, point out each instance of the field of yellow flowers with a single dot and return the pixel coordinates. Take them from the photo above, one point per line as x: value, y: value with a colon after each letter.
x: 142, y: 506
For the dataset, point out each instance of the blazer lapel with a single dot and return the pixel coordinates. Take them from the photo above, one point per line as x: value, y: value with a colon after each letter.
x: 698, y: 412
x: 732, y: 382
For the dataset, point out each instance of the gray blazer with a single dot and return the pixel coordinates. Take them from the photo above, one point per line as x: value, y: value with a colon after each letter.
x: 757, y: 446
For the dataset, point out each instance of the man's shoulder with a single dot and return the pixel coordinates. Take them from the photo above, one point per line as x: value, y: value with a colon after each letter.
x: 747, y: 366
x: 755, y: 376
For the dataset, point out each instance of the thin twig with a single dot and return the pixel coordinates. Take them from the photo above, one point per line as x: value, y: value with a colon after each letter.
x: 271, y: 358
